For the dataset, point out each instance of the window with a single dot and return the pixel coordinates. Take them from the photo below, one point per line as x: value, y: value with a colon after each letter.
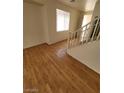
x: 62, y: 20
x: 86, y: 19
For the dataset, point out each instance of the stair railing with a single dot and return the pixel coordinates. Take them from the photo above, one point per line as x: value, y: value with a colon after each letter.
x: 85, y: 34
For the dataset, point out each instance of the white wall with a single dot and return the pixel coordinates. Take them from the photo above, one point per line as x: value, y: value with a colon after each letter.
x: 33, y: 29
x: 88, y: 54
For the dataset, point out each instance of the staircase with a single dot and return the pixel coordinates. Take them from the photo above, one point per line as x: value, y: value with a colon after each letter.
x: 84, y: 45
x: 85, y: 34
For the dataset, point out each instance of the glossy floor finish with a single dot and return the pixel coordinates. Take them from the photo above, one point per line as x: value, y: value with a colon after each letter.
x: 48, y: 69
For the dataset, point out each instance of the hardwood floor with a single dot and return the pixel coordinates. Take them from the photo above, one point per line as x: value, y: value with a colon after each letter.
x: 48, y: 69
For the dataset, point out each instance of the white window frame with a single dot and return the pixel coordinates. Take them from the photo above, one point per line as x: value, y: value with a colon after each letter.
x: 64, y: 13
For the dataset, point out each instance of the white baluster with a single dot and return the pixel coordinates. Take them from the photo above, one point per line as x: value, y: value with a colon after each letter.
x: 98, y: 36
x: 82, y: 35
x: 94, y: 31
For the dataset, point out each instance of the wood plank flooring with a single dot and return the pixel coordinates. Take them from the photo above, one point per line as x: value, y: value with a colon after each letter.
x: 48, y: 69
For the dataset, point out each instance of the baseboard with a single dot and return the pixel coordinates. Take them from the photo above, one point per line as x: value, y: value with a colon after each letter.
x: 51, y: 43
x: 44, y: 43
x: 33, y: 46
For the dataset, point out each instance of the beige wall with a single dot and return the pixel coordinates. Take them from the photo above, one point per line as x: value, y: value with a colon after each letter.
x: 86, y: 13
x: 33, y: 29
x: 51, y: 7
x: 81, y: 17
x: 40, y: 23
x: 96, y: 11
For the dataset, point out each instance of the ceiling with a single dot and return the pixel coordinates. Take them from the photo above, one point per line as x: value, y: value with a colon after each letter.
x: 84, y: 5
x: 40, y: 2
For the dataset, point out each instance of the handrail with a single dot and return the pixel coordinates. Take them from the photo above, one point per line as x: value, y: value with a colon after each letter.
x: 87, y: 33
x: 85, y: 25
